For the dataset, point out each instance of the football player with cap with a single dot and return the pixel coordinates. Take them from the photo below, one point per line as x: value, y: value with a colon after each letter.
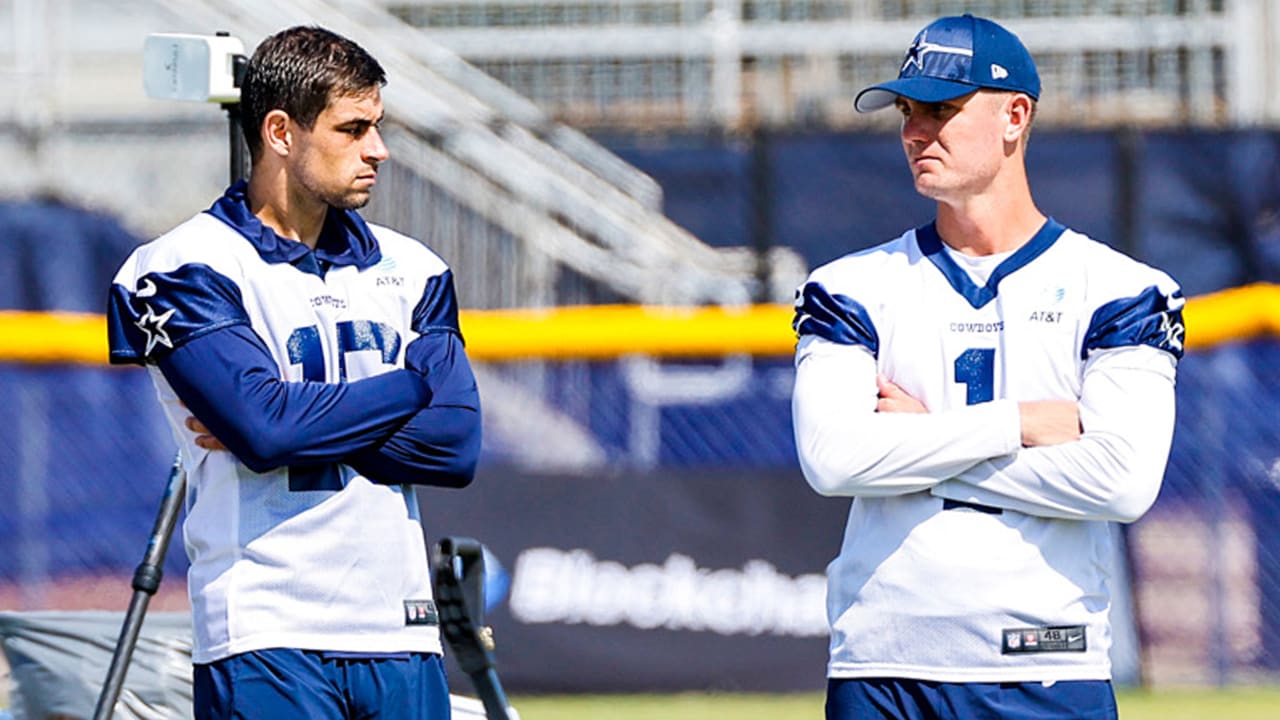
x: 994, y: 391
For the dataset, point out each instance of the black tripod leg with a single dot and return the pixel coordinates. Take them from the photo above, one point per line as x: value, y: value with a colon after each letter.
x: 146, y: 580
x: 491, y: 694
x: 461, y: 606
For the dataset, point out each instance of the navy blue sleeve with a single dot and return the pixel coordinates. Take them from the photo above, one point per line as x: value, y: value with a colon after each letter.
x: 440, y: 445
x: 168, y: 309
x: 835, y: 317
x: 1149, y: 318
x: 229, y: 381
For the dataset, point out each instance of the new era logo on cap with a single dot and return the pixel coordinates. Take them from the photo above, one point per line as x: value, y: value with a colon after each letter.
x: 955, y: 56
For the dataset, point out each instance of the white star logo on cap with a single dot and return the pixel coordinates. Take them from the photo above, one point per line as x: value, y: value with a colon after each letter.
x: 922, y: 46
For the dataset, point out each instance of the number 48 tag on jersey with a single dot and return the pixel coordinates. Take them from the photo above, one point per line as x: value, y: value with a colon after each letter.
x: 1061, y: 638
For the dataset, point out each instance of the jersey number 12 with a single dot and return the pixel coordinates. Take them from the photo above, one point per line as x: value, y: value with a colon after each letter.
x: 305, y: 349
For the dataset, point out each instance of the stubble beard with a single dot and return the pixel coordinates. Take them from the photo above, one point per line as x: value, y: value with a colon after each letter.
x: 352, y: 200
x: 332, y: 194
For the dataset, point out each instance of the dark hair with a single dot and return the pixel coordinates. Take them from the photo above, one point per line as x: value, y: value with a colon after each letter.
x: 299, y: 70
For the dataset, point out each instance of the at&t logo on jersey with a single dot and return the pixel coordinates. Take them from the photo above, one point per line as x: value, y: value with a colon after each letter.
x: 385, y: 266
x: 1045, y: 316
x: 1050, y: 298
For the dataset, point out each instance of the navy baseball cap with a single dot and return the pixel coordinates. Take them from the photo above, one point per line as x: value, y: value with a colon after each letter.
x: 952, y: 57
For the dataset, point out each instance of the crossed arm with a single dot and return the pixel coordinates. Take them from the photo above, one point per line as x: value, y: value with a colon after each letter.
x: 1100, y: 457
x: 1042, y: 422
x: 418, y: 425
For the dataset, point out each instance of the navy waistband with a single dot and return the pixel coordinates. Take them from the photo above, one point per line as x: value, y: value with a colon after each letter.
x: 948, y: 504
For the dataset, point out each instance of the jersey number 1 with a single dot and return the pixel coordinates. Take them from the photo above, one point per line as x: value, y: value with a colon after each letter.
x: 305, y: 349
x: 976, y: 370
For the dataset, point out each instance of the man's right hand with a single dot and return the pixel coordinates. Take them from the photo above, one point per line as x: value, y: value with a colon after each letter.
x: 1049, y: 422
x: 892, y: 398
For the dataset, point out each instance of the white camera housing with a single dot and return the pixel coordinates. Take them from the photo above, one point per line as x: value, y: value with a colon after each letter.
x: 194, y: 68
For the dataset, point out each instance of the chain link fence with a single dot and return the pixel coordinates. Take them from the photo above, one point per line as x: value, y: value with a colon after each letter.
x: 86, y: 456
x: 85, y: 452
x: 1207, y: 557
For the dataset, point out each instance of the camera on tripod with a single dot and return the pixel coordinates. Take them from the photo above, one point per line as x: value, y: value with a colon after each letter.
x: 194, y: 68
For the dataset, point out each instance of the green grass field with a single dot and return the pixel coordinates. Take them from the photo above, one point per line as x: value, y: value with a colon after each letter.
x: 1232, y: 704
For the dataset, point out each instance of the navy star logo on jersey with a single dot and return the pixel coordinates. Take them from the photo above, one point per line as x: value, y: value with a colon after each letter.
x: 922, y: 47
x: 1173, y: 331
x: 153, y: 326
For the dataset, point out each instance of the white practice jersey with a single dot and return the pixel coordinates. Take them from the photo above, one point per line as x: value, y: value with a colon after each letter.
x: 299, y: 557
x: 968, y: 558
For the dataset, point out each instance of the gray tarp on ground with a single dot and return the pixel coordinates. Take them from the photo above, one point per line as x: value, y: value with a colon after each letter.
x: 58, y: 662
